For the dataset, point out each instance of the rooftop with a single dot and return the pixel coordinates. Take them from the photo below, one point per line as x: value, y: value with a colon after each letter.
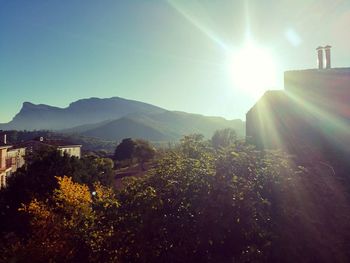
x: 3, y: 146
x: 325, y: 70
x: 49, y: 142
x: 60, y: 143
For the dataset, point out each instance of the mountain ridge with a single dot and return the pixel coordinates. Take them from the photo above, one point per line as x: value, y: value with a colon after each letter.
x: 83, y: 111
x: 116, y: 118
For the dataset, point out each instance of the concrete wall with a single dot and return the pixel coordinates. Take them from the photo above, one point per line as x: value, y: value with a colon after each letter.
x: 326, y: 90
x: 3, y: 155
x: 3, y: 177
x: 5, y: 169
x: 276, y: 122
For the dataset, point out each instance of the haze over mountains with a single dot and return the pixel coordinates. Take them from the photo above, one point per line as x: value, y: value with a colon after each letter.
x: 117, y: 118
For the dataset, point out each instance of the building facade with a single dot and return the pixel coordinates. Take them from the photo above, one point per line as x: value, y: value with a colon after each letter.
x: 313, y: 111
x: 11, y: 159
x: 5, y: 170
x: 64, y: 147
x: 15, y: 157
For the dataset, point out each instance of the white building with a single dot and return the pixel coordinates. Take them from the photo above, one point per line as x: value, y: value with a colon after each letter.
x: 5, y: 170
x: 10, y: 160
x: 15, y: 157
x: 73, y: 150
x: 12, y: 157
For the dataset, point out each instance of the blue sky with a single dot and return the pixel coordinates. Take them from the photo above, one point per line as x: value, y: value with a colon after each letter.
x: 174, y: 54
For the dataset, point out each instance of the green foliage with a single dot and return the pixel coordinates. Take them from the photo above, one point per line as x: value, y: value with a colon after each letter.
x: 193, y: 146
x: 130, y: 149
x: 125, y: 150
x: 37, y: 180
x: 143, y: 151
x: 69, y: 226
x: 223, y: 138
x: 199, y: 204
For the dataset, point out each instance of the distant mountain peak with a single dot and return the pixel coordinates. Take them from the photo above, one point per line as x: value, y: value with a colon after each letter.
x: 115, y: 118
x: 31, y: 106
x: 97, y: 100
x: 27, y: 104
x: 85, y: 111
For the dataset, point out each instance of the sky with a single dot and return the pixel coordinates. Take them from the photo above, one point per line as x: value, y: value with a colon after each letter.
x: 176, y: 54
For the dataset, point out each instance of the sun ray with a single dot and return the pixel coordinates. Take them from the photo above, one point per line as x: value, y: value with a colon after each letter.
x: 329, y: 124
x: 197, y: 24
x: 253, y: 69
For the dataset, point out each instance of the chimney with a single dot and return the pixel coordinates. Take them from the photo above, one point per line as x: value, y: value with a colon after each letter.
x: 5, y: 138
x: 328, y: 56
x: 320, y: 57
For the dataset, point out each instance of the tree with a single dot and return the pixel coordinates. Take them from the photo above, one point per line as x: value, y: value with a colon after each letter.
x: 69, y: 226
x: 201, y: 206
x: 223, y: 138
x: 197, y: 204
x: 38, y: 180
x: 138, y: 149
x: 143, y: 152
x: 194, y: 146
x: 125, y: 150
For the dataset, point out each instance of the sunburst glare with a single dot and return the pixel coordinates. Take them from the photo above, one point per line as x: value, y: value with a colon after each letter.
x: 253, y: 69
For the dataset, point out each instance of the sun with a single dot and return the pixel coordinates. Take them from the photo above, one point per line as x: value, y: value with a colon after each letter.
x: 253, y: 70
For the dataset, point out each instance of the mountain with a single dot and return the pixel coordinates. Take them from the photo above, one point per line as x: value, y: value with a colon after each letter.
x: 165, y: 126
x: 116, y: 118
x: 127, y: 127
x: 81, y: 112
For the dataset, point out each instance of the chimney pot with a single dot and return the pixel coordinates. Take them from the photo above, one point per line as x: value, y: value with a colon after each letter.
x: 320, y: 57
x: 328, y: 56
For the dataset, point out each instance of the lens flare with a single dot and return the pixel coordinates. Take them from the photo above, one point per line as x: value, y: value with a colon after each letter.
x: 253, y: 70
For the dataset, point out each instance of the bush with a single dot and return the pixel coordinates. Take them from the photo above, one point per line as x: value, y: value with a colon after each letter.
x: 199, y: 204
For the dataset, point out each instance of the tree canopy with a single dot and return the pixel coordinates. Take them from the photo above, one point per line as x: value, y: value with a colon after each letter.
x: 38, y: 180
x: 223, y: 138
x: 124, y: 150
x: 138, y: 149
x: 198, y: 204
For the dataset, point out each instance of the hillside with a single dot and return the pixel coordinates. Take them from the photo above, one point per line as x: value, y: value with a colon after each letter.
x: 125, y: 127
x: 165, y: 126
x: 115, y: 118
